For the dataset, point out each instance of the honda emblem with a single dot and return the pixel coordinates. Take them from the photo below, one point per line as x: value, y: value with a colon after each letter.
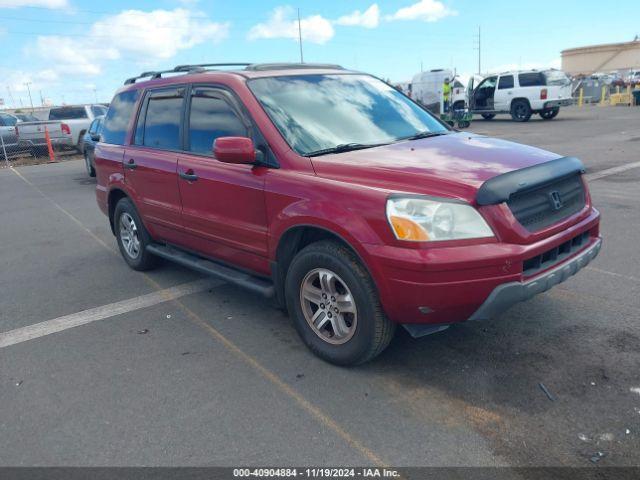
x: 556, y: 200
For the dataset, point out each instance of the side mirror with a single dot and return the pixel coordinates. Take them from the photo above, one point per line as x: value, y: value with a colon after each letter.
x: 234, y: 150
x: 95, y: 137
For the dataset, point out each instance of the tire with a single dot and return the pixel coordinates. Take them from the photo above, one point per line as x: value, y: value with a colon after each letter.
x: 91, y: 171
x: 520, y: 110
x: 363, y: 332
x: 488, y: 116
x: 80, y: 144
x: 550, y: 113
x: 464, y: 124
x: 135, y: 253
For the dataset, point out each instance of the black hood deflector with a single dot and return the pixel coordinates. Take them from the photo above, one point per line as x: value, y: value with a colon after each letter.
x: 498, y: 189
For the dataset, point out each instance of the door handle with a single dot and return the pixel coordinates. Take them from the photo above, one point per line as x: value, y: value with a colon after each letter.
x: 131, y: 165
x: 188, y: 175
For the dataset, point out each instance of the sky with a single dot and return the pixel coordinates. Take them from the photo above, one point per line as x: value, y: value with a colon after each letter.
x: 77, y: 51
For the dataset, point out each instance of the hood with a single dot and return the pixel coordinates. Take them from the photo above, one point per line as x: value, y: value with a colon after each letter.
x: 453, y: 165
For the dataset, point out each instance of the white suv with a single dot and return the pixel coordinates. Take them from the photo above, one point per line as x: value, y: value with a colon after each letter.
x: 520, y: 94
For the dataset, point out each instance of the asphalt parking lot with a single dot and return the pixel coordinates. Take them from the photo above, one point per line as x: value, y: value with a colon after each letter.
x: 216, y: 376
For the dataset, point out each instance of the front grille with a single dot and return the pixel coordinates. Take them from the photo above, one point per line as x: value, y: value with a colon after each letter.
x: 540, y: 207
x: 554, y: 256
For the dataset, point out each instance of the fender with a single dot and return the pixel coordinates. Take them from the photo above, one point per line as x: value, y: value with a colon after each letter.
x: 352, y: 228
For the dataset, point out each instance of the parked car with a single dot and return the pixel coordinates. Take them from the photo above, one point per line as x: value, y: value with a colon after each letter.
x: 32, y: 135
x: 25, y: 117
x: 343, y: 199
x: 520, y: 94
x: 91, y: 137
x: 78, y: 118
x: 8, y: 133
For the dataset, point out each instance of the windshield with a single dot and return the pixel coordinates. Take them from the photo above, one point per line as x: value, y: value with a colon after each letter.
x: 319, y: 112
x: 556, y: 77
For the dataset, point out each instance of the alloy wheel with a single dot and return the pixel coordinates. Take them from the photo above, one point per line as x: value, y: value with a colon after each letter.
x: 129, y: 235
x: 328, y: 306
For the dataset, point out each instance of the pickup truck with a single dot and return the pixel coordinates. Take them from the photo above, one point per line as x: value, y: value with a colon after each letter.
x: 78, y: 118
x: 31, y: 135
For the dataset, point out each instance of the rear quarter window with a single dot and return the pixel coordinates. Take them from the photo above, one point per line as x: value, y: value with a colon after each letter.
x: 534, y: 79
x: 67, y: 113
x: 116, y: 122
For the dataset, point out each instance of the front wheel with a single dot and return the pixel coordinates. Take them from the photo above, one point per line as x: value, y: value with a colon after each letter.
x: 335, y: 305
x: 550, y: 113
x: 133, y: 238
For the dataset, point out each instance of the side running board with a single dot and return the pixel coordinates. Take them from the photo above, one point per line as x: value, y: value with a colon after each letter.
x: 194, y: 262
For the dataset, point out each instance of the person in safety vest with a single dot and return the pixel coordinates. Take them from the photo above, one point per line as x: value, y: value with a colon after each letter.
x: 446, y: 95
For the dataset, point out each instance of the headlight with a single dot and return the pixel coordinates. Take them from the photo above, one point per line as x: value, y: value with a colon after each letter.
x: 418, y: 219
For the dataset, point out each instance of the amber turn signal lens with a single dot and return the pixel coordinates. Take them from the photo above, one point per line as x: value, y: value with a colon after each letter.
x: 408, y: 230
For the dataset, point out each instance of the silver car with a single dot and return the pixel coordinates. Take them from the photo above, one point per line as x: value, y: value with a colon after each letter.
x: 8, y: 133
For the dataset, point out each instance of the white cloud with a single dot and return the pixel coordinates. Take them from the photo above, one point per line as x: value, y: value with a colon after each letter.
x: 315, y: 28
x: 145, y: 38
x: 370, y: 18
x: 425, y: 10
x: 53, y: 4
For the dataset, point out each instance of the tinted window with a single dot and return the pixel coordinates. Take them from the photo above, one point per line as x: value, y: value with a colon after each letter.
x: 67, y: 113
x: 316, y: 112
x: 8, y: 120
x: 505, y: 82
x: 93, y: 127
x: 531, y: 79
x: 211, y: 117
x: 98, y: 110
x: 115, y: 123
x: 161, y: 128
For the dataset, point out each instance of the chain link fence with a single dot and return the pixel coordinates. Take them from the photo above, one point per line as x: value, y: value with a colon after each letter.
x: 15, y: 151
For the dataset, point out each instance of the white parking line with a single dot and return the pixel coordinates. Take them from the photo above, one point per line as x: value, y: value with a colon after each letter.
x: 611, y: 171
x: 59, y: 324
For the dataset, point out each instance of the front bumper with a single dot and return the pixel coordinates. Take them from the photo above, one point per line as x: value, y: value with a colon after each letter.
x: 565, y: 102
x: 508, y: 294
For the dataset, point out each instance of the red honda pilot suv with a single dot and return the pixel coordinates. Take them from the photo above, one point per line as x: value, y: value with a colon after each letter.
x: 335, y: 194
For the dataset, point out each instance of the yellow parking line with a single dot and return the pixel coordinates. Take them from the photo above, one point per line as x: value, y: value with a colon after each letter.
x: 305, y: 404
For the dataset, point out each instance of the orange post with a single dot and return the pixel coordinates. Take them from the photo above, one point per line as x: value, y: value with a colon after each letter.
x: 52, y: 157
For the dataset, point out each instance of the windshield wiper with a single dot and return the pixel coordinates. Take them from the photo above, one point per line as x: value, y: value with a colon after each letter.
x: 343, y: 147
x: 426, y: 134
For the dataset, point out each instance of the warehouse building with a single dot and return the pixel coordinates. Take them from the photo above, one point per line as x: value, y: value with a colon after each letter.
x: 622, y: 57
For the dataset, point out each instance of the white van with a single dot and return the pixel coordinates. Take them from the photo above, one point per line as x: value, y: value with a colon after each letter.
x: 426, y: 88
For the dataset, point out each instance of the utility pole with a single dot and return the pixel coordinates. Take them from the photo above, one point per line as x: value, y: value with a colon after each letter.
x: 13, y: 102
x: 95, y: 94
x: 27, y: 84
x: 479, y: 51
x: 41, y: 99
x: 300, y: 37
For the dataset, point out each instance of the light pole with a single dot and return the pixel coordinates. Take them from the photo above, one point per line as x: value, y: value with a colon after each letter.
x: 27, y: 84
x: 95, y: 94
x: 300, y: 37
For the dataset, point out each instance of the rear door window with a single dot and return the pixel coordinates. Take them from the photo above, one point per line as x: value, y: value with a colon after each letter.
x: 67, y: 113
x: 505, y: 82
x: 159, y: 122
x: 122, y: 106
x: 210, y: 117
x: 534, y: 79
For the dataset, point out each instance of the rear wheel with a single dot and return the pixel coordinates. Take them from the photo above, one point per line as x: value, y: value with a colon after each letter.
x: 133, y: 238
x: 488, y: 116
x: 335, y: 306
x: 520, y: 111
x: 550, y: 113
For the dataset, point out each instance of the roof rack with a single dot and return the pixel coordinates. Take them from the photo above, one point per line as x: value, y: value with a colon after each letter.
x: 261, y: 67
x: 182, y: 69
x: 255, y: 67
